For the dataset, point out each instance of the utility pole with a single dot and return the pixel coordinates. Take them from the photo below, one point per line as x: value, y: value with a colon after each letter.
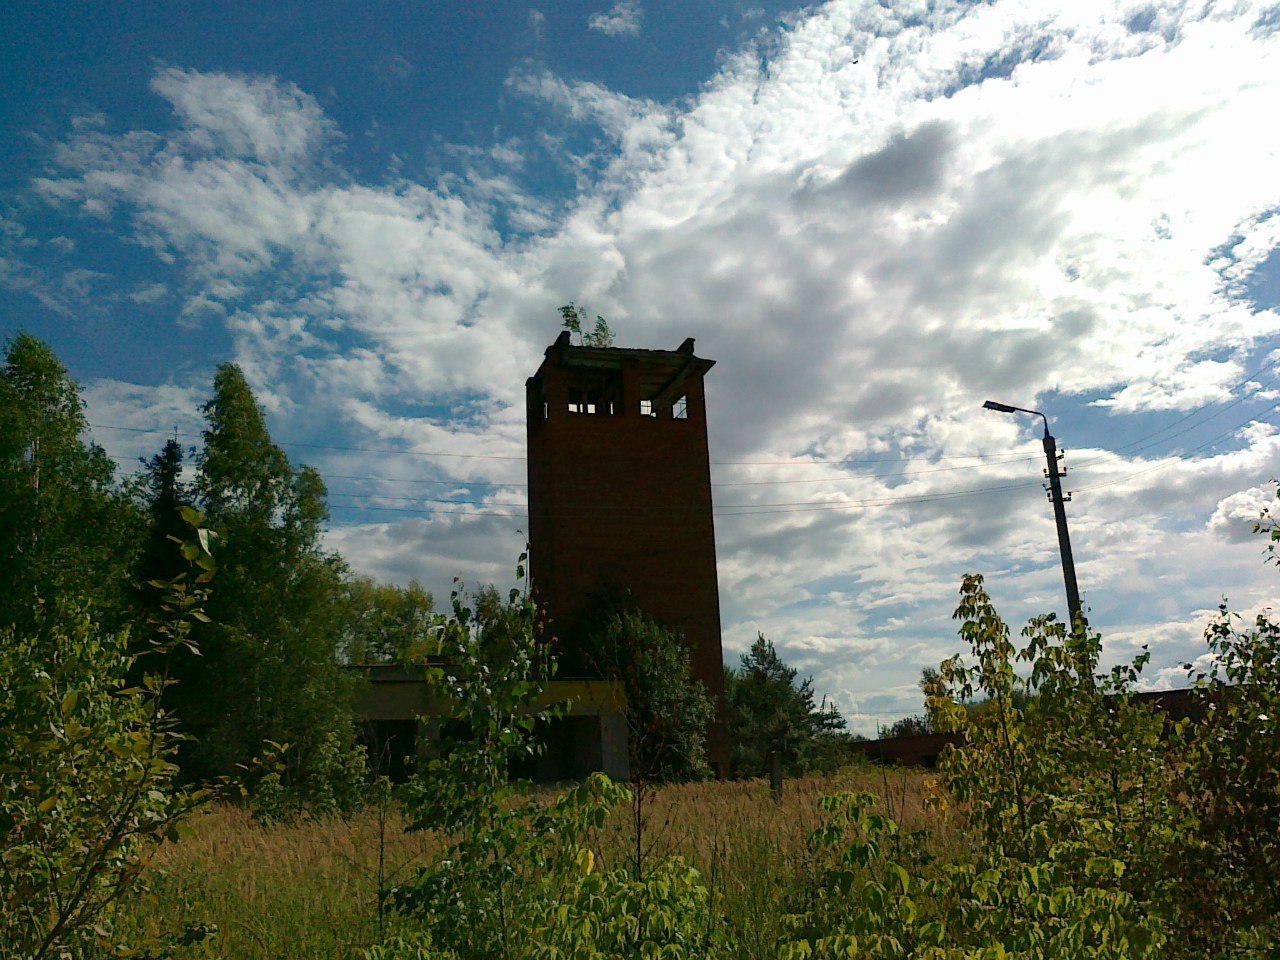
x: 1054, y: 488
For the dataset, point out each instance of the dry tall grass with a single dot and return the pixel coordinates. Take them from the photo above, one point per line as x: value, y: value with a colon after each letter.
x: 309, y: 889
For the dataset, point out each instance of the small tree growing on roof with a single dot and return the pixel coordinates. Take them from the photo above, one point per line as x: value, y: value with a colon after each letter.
x: 600, y: 336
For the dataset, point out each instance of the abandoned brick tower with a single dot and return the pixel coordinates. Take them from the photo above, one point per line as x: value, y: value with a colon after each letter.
x: 620, y: 492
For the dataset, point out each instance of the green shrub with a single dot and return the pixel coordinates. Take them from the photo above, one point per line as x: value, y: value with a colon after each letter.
x: 86, y: 776
x: 1227, y: 885
x: 337, y: 777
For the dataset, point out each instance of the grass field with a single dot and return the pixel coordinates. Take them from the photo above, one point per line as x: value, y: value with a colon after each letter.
x: 310, y: 889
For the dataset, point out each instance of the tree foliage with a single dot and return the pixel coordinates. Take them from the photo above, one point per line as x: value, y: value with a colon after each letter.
x: 768, y: 710
x: 913, y: 726
x: 385, y: 623
x: 86, y: 773
x: 1231, y: 780
x: 601, y: 335
x: 270, y: 669
x: 64, y: 530
x: 162, y: 497
x: 518, y: 878
x: 667, y: 710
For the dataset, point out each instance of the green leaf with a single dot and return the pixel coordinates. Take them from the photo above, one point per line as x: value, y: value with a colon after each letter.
x: 904, y: 880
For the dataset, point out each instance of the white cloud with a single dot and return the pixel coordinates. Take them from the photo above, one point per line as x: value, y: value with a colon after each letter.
x: 636, y: 125
x: 249, y: 118
x: 1005, y: 200
x: 133, y: 421
x: 475, y: 549
x: 621, y: 20
x: 1235, y: 516
x: 149, y: 293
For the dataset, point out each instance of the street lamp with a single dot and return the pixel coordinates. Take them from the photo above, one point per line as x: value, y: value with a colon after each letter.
x: 1059, y: 509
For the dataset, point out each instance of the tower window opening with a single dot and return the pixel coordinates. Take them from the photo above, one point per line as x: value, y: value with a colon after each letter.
x: 646, y: 408
x: 596, y: 392
x: 680, y: 409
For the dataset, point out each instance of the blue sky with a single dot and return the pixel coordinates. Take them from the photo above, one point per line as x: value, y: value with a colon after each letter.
x: 874, y: 216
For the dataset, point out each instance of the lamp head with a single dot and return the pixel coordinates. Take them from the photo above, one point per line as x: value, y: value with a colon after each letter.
x: 1001, y: 407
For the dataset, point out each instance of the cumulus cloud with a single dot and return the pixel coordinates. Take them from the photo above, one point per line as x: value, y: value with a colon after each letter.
x: 621, y: 20
x: 1235, y: 516
x: 873, y: 219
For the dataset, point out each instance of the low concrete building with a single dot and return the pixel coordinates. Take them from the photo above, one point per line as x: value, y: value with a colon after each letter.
x: 402, y: 718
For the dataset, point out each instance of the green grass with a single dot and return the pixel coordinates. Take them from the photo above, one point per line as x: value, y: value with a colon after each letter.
x: 310, y: 889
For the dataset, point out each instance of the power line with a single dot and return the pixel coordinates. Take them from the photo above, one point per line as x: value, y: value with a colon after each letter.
x: 458, y: 482
x: 1257, y: 418
x: 322, y: 446
x: 489, y: 456
x: 985, y: 459
x: 751, y: 509
x: 1137, y: 445
x: 1248, y: 378
x: 740, y: 509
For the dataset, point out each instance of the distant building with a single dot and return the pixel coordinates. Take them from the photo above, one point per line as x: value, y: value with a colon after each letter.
x: 402, y: 716
x: 924, y: 749
x: 620, y: 492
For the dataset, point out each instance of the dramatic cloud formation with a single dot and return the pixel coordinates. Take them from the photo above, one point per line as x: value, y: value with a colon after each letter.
x: 873, y: 219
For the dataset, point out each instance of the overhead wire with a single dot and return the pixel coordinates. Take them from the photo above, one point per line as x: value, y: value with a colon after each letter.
x: 746, y: 509
x: 1248, y: 378
x: 734, y: 510
x: 1008, y: 455
x: 1256, y: 418
x: 994, y: 459
x: 751, y: 509
x: 715, y: 485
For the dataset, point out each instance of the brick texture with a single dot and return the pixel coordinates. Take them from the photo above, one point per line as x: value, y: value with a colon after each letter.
x: 627, y: 497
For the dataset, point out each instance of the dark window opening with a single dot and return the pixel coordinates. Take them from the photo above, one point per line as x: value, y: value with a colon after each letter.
x: 596, y: 392
x: 391, y: 746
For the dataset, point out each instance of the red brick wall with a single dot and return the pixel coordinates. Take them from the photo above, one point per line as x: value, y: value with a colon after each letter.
x: 626, y: 498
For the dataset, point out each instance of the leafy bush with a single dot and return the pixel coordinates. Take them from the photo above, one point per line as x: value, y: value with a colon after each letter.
x: 877, y: 899
x: 908, y: 727
x: 337, y: 776
x: 1229, y: 881
x: 492, y: 669
x: 667, y: 710
x: 86, y: 776
x: 1096, y: 828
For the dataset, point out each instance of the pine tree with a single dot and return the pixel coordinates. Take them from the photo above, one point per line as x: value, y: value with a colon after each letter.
x: 162, y: 495
x: 768, y: 710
